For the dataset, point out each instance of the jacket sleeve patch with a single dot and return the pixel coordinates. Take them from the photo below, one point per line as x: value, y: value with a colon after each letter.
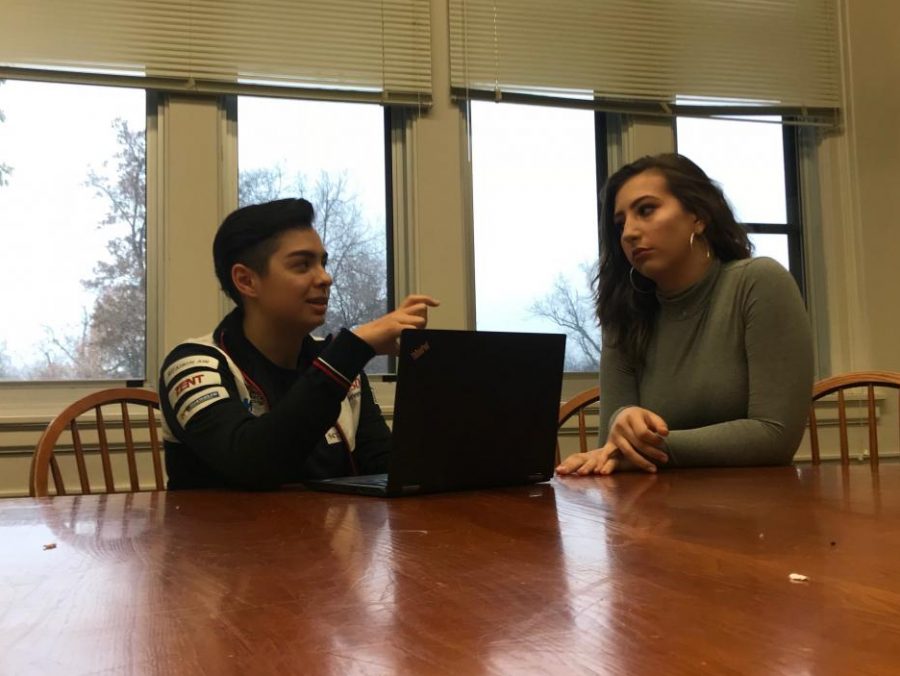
x: 194, y: 361
x: 194, y: 381
x: 198, y: 401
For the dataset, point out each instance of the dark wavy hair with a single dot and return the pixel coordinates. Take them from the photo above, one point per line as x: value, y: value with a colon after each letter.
x: 250, y: 236
x: 627, y: 316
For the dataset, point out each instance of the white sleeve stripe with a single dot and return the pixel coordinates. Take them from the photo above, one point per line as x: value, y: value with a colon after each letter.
x: 198, y: 401
x: 194, y: 361
x: 193, y: 381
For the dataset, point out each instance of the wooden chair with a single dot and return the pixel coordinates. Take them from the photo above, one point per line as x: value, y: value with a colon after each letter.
x: 868, y: 379
x: 44, y: 462
x: 576, y: 406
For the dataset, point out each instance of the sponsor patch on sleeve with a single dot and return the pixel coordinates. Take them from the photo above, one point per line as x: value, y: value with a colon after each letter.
x: 193, y: 381
x: 194, y: 361
x: 198, y: 401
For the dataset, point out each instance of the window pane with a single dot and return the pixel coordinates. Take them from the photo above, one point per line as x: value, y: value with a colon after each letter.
x: 535, y: 211
x: 73, y: 229
x: 773, y: 246
x: 333, y: 155
x: 745, y: 158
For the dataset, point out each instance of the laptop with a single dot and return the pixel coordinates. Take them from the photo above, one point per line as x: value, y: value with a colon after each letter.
x: 472, y: 409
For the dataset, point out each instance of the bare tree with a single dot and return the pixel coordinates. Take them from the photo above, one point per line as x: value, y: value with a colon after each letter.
x: 573, y: 311
x: 356, y: 250
x: 5, y: 169
x: 67, y: 355
x: 265, y: 184
x: 118, y: 320
x: 357, y: 253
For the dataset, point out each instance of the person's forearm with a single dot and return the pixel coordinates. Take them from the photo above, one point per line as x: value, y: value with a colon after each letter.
x: 735, y: 443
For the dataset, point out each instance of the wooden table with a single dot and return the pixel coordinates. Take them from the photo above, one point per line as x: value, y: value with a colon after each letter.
x: 681, y: 573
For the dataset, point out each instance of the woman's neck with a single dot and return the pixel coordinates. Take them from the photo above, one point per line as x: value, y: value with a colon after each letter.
x: 693, y: 270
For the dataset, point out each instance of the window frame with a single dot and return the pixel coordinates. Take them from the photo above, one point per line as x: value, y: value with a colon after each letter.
x: 601, y: 158
x: 389, y: 234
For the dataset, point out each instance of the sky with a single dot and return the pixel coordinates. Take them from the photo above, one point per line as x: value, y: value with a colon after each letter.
x: 745, y: 158
x: 534, y: 196
x: 313, y: 136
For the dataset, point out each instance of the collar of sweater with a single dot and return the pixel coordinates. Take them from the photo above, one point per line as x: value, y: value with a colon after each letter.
x: 693, y: 299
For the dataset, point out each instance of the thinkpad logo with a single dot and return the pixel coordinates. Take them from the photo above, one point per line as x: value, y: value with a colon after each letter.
x: 419, y: 351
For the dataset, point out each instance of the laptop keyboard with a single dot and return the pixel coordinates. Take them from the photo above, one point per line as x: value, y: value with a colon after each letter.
x: 368, y: 480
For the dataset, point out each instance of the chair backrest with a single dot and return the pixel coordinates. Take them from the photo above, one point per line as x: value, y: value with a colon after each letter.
x: 576, y: 406
x: 44, y: 462
x: 839, y: 384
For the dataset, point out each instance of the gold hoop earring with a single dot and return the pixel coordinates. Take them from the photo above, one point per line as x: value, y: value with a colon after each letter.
x: 635, y: 286
x: 691, y: 243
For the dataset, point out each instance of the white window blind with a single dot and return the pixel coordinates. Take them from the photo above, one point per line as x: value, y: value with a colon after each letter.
x: 344, y: 49
x: 645, y: 54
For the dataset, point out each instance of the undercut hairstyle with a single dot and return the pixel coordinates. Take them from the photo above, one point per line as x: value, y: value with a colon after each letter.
x: 250, y: 236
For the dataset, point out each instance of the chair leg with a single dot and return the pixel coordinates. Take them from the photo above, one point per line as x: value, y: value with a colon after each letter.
x: 814, y: 436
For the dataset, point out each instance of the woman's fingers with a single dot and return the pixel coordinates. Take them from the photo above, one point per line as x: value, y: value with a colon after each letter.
x: 609, y: 466
x: 596, y: 460
x: 632, y: 455
x: 645, y: 450
x: 585, y: 463
x: 643, y: 439
x: 572, y: 463
x: 655, y: 423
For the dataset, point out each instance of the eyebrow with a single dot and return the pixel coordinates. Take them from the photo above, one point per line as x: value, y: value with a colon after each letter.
x: 307, y: 254
x: 633, y: 202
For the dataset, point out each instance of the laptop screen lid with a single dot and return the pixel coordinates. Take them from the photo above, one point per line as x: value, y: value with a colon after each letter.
x: 475, y: 409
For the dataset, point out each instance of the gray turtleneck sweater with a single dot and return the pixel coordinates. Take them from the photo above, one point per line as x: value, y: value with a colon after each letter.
x: 729, y: 368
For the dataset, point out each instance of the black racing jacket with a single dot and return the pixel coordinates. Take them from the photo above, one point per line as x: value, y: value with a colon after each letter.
x: 233, y: 419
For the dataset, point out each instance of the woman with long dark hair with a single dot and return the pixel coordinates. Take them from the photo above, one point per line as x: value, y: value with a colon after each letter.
x: 707, y: 352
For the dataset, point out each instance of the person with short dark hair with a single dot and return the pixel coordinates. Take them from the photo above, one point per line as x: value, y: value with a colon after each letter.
x: 707, y: 352
x: 259, y: 402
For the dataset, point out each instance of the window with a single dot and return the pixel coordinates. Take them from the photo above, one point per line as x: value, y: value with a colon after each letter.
x: 73, y: 232
x: 755, y: 164
x: 534, y: 184
x: 333, y: 154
